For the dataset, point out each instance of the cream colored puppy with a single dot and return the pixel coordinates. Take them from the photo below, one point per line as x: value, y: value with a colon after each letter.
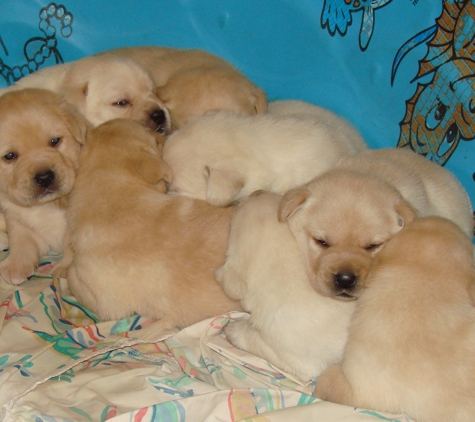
x: 342, y: 218
x: 192, y: 82
x: 411, y: 347
x: 40, y: 139
x: 223, y: 157
x: 133, y: 248
x: 103, y: 88
x: 291, y: 325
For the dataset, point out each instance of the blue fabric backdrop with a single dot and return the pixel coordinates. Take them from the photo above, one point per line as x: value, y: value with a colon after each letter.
x: 401, y: 71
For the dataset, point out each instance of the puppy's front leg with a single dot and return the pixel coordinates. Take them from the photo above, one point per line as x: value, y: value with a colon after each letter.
x: 3, y: 232
x: 332, y: 385
x: 24, y: 253
x: 61, y: 268
x: 245, y: 336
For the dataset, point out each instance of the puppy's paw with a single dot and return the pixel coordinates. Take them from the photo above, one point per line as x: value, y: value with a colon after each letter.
x: 236, y: 333
x: 14, y: 272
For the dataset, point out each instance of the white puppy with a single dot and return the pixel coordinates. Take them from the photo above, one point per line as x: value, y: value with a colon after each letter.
x: 291, y: 325
x: 223, y: 157
x: 342, y: 218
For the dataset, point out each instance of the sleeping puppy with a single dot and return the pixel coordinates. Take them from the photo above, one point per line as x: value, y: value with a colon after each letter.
x: 291, y: 325
x: 132, y: 247
x: 40, y: 139
x: 193, y: 82
x: 411, y: 346
x: 224, y: 157
x: 342, y: 218
x: 103, y: 88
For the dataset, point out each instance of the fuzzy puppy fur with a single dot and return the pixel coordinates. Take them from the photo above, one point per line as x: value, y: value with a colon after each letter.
x: 223, y: 157
x: 291, y: 325
x: 193, y: 82
x: 103, y: 88
x: 40, y: 139
x: 342, y: 218
x: 411, y: 346
x: 302, y: 110
x: 133, y: 248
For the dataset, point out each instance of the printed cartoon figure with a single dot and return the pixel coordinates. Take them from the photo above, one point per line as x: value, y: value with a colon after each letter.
x: 337, y: 16
x: 441, y: 112
x: 39, y: 49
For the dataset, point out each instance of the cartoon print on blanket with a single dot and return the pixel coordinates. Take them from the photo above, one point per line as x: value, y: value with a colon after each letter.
x: 441, y: 112
x: 38, y: 50
x: 337, y: 15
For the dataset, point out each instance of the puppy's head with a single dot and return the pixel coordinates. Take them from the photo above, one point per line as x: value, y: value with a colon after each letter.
x: 127, y: 144
x: 107, y: 87
x: 192, y: 93
x: 341, y: 220
x: 40, y: 140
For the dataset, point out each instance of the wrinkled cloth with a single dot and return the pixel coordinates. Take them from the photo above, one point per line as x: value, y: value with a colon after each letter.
x: 58, y: 362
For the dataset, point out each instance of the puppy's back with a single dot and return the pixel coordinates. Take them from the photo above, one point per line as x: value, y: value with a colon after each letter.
x: 301, y: 109
x: 136, y: 249
x: 270, y: 152
x: 428, y: 187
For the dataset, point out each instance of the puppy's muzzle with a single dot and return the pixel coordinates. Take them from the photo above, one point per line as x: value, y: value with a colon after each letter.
x: 160, y: 119
x: 46, y: 179
x: 345, y: 284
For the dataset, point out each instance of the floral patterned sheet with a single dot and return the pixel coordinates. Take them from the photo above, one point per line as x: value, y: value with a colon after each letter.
x: 59, y: 363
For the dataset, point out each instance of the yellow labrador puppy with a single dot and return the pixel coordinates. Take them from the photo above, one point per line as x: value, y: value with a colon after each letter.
x: 192, y: 82
x: 342, y: 218
x: 411, y: 346
x: 133, y: 248
x: 291, y: 325
x: 224, y: 157
x: 103, y: 88
x: 40, y: 140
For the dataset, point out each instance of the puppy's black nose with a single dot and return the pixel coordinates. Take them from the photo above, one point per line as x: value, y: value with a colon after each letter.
x: 45, y: 179
x: 159, y: 117
x: 345, y: 280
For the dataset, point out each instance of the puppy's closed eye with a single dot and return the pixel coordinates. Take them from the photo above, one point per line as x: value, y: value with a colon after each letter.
x: 321, y: 242
x: 373, y: 246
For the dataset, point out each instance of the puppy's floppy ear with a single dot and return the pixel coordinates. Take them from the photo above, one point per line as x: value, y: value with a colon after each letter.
x: 291, y: 202
x: 222, y: 186
x: 260, y: 101
x: 405, y: 213
x: 77, y: 123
